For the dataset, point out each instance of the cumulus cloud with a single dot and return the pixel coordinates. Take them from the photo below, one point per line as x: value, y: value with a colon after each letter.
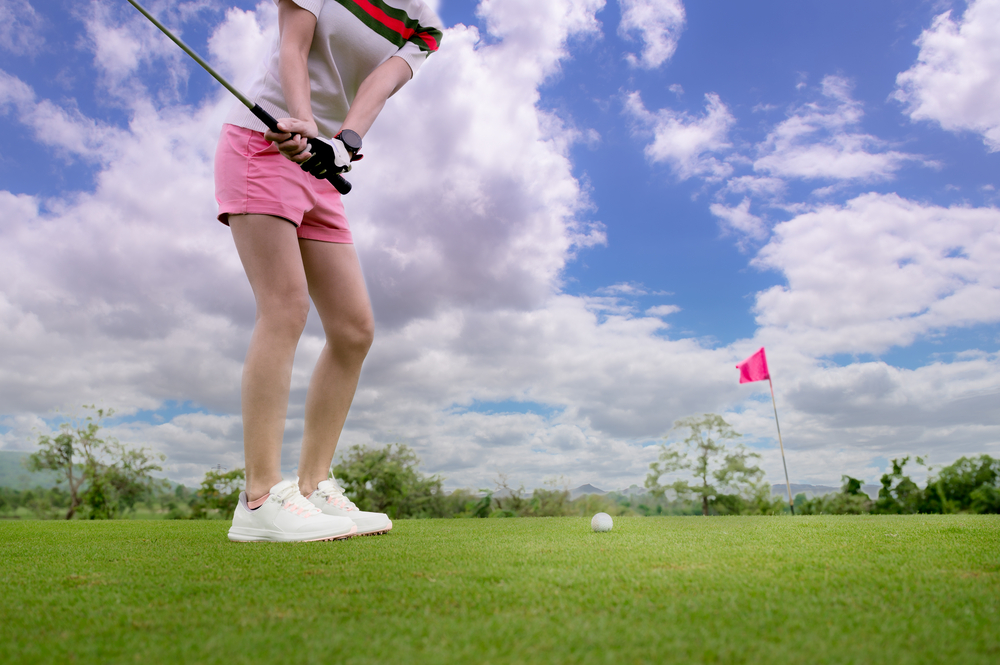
x: 663, y: 310
x: 536, y: 32
x: 611, y: 379
x: 658, y: 24
x: 20, y: 27
x: 761, y: 186
x: 240, y: 43
x: 67, y: 130
x: 688, y: 144
x: 880, y: 271
x: 504, y: 222
x: 851, y: 419
x: 956, y: 79
x: 820, y: 141
x: 739, y: 219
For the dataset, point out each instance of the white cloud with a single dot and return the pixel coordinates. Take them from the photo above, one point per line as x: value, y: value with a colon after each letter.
x: 117, y: 48
x: 20, y: 27
x: 239, y: 45
x: 69, y: 131
x: 658, y: 24
x: 662, y: 310
x: 628, y: 289
x: 818, y: 141
x: 684, y: 142
x: 612, y: 379
x: 535, y: 33
x: 956, y: 79
x: 498, y: 234
x: 880, y: 271
x: 739, y: 219
x: 761, y: 186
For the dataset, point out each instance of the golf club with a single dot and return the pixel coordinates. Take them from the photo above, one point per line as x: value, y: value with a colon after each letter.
x: 319, y: 148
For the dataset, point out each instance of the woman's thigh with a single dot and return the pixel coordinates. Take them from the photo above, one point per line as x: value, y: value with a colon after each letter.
x: 269, y: 250
x: 337, y: 287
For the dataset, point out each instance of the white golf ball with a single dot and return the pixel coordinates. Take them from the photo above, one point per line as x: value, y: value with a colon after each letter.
x: 601, y: 522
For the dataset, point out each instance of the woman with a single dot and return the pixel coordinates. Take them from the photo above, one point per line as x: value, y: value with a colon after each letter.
x: 334, y: 65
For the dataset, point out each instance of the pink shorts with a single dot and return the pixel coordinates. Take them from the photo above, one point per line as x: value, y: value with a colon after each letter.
x: 253, y: 178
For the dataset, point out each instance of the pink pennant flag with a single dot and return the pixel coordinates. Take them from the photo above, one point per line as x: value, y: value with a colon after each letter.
x: 754, y: 368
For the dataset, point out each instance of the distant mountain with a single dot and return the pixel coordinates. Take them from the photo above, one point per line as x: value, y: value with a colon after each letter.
x: 585, y: 489
x: 633, y: 490
x: 14, y: 475
x: 819, y: 490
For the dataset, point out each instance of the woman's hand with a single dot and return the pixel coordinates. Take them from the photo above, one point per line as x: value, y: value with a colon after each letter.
x: 292, y: 143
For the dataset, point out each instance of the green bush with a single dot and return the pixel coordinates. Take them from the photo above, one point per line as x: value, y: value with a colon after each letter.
x: 849, y: 501
x: 387, y: 480
x: 966, y: 485
x: 217, y: 497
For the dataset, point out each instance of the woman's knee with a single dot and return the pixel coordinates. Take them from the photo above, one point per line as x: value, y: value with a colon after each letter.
x: 353, y: 336
x: 287, y: 313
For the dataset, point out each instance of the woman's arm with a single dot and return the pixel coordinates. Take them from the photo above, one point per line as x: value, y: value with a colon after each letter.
x: 379, y: 86
x: 296, y: 27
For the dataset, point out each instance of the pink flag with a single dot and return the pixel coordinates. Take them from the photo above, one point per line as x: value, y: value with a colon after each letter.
x: 754, y: 368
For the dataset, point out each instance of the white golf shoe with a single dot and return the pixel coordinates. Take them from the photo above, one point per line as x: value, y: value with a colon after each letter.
x: 287, y: 516
x: 329, y: 497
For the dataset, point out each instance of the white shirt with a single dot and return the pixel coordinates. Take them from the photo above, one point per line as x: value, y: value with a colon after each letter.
x: 352, y: 38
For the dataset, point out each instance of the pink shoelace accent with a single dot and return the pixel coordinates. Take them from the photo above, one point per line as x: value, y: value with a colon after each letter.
x: 295, y: 508
x: 341, y: 502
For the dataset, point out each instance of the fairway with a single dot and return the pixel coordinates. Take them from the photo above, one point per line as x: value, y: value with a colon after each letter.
x: 901, y: 589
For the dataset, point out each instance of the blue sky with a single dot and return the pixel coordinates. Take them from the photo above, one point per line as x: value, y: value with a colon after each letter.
x: 620, y: 200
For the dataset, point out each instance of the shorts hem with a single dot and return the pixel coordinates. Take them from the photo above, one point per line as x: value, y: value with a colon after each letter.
x: 251, y: 207
x: 326, y: 235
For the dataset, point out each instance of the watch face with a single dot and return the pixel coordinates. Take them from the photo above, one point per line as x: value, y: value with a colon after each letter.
x: 351, y: 139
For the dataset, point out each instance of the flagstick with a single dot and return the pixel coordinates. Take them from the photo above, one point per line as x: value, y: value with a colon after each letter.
x: 791, y: 504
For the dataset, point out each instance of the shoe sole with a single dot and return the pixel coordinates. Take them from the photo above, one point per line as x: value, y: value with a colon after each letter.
x: 265, y: 537
x: 377, y: 532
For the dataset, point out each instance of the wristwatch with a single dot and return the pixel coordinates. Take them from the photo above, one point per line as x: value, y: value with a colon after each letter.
x: 351, y: 141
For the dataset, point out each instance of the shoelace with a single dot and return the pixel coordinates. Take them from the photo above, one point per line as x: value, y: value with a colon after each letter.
x: 336, y: 497
x: 294, y: 502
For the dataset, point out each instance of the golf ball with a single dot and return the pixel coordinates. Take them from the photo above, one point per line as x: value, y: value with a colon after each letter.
x: 601, y: 522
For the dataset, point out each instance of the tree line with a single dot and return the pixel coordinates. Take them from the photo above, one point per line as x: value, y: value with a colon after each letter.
x: 705, y: 473
x: 969, y: 485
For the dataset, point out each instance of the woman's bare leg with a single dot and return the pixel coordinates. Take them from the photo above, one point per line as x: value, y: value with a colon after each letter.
x: 269, y: 250
x: 338, y: 290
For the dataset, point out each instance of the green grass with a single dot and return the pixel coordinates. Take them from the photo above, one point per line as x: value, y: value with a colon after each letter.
x: 909, y: 589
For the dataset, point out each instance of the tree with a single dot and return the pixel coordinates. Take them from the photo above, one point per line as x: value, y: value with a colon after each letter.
x: 968, y: 484
x: 387, y: 480
x: 219, y: 492
x: 705, y: 455
x: 899, y: 494
x: 482, y: 507
x: 101, y: 474
x: 509, y: 502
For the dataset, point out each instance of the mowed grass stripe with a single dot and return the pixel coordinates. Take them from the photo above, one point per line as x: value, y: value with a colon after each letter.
x: 829, y: 589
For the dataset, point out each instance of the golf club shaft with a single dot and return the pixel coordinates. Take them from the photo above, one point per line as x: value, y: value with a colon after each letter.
x: 336, y: 179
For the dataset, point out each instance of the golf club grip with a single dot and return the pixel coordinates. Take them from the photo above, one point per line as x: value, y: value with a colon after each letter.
x: 335, y: 179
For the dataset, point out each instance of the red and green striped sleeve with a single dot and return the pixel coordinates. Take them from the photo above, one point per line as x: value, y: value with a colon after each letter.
x: 396, y: 25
